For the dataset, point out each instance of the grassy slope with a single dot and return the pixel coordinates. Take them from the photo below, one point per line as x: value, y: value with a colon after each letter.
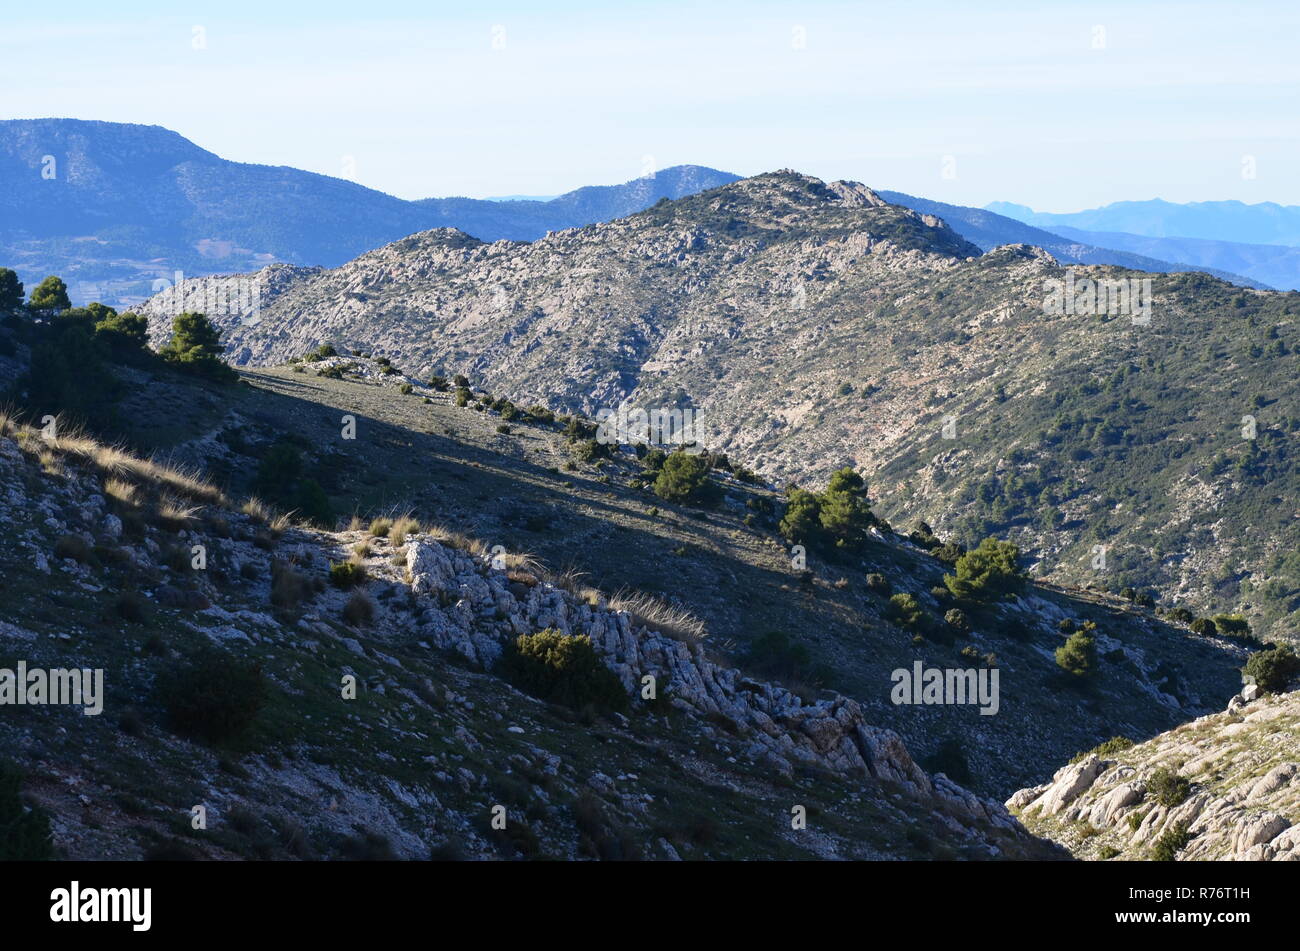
x: 449, y: 465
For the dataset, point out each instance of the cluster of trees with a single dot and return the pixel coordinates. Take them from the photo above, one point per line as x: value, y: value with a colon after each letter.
x: 837, y: 519
x: 73, y: 349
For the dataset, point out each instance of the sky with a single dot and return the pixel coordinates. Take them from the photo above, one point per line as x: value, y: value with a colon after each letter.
x: 1060, y: 106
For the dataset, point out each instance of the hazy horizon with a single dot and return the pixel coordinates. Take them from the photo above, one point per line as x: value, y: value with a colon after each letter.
x: 1059, y: 109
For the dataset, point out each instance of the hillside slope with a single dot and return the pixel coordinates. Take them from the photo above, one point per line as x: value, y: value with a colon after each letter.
x: 430, y: 745
x: 811, y: 326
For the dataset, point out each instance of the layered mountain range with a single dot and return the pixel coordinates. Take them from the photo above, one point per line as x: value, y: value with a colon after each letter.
x: 1142, y: 442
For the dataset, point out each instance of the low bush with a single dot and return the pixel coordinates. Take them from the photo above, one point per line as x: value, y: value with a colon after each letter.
x: 565, y: 670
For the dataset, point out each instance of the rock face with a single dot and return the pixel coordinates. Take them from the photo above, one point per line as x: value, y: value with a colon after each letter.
x: 1241, y: 800
x: 781, y: 728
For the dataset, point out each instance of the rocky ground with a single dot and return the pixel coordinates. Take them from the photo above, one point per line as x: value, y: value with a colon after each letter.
x: 98, y: 570
x: 1238, y: 798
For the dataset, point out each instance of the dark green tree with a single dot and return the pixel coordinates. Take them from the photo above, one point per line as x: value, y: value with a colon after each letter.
x: 50, y: 296
x: 195, y: 345
x: 11, y: 291
x: 685, y: 478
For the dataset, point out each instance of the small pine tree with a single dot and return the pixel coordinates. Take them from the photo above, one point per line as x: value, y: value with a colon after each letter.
x: 196, y: 345
x: 1078, y: 655
x: 50, y: 296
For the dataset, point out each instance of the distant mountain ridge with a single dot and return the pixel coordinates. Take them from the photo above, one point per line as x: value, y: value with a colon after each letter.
x: 113, y: 207
x: 1263, y: 223
x: 988, y: 230
x: 813, y: 325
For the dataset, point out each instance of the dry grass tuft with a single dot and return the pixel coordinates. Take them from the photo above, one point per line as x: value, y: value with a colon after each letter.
x: 658, y: 615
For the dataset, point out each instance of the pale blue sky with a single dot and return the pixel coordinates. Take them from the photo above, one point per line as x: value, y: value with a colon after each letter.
x: 1029, y: 100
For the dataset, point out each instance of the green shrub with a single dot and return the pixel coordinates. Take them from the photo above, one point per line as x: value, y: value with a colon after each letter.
x: 957, y: 620
x: 879, y: 584
x: 405, y: 389
x: 213, y: 697
x: 462, y: 396
x: 1078, y: 655
x: 347, y: 574
x: 988, y: 572
x: 774, y: 654
x: 1116, y: 744
x: 685, y: 478
x: 320, y: 353
x: 1168, y: 788
x: 1203, y: 626
x: 1168, y: 846
x: 1272, y: 669
x: 1232, y: 625
x: 907, y: 611
x: 561, y: 669
x: 24, y: 831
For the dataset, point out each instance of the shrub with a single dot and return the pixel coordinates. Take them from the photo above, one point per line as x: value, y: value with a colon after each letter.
x: 320, y: 353
x: 685, y: 478
x: 24, y: 830
x: 439, y: 383
x: 405, y: 389
x: 289, y: 587
x: 879, y: 584
x: 380, y: 527
x: 776, y: 655
x: 907, y: 612
x: 561, y: 669
x: 1116, y: 744
x: 957, y: 619
x: 990, y: 571
x: 360, y: 610
x: 843, y: 513
x: 1203, y: 626
x: 1232, y: 625
x: 347, y: 574
x: 1272, y: 669
x: 1168, y: 788
x: 213, y: 697
x: 1078, y: 655
x: 462, y: 396
x: 74, y: 547
x: 1171, y: 843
